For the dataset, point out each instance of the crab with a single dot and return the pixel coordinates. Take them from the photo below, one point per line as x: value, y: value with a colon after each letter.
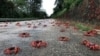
x: 11, y: 50
x: 62, y: 30
x: 29, y: 26
x: 66, y: 24
x: 63, y: 38
x: 38, y: 43
x: 18, y: 24
x: 90, y: 33
x: 44, y: 25
x: 94, y: 47
x: 90, y: 45
x: 34, y: 26
x: 24, y: 34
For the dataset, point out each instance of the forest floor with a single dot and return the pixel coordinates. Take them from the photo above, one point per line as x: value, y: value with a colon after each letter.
x: 9, y: 37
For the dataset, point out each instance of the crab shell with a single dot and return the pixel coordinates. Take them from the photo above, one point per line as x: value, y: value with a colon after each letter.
x: 38, y: 43
x: 24, y: 34
x: 62, y: 30
x: 84, y: 42
x: 44, y: 25
x: 63, y: 38
x: 90, y: 33
x: 29, y: 26
x: 94, y: 47
x: 11, y: 50
x: 34, y: 26
x: 43, y: 43
x: 18, y: 24
x: 33, y: 44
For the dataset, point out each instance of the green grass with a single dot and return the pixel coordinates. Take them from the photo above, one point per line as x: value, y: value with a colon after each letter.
x: 82, y: 27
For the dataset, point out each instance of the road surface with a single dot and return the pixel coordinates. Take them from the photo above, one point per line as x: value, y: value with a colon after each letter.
x: 9, y: 37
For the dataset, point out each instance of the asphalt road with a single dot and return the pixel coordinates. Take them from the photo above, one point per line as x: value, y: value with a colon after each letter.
x: 9, y: 37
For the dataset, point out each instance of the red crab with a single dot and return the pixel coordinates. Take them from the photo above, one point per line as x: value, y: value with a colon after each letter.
x: 84, y: 42
x: 29, y: 26
x: 52, y: 22
x: 90, y: 45
x: 63, y: 39
x: 53, y: 25
x: 90, y: 33
x: 66, y: 24
x: 44, y: 25
x: 18, y: 24
x: 11, y: 50
x: 5, y: 25
x: 34, y: 26
x: 94, y: 47
x: 24, y: 34
x: 38, y: 43
x: 62, y: 30
x: 58, y: 23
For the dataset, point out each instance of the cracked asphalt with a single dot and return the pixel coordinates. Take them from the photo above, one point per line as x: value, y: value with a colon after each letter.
x: 9, y: 37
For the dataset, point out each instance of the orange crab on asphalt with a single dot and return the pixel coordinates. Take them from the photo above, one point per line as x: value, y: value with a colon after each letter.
x: 11, y: 50
x: 24, y: 34
x: 63, y: 38
x: 38, y: 43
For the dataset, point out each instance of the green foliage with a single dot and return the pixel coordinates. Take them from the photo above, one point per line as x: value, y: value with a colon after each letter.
x: 7, y: 8
x: 59, y: 13
x: 82, y: 27
x: 64, y: 5
x: 35, y: 10
x: 21, y: 9
x: 19, y: 2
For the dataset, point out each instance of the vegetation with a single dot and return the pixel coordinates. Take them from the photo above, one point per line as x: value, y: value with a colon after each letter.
x: 93, y: 10
x: 82, y: 27
x: 86, y: 11
x: 64, y: 6
x: 21, y: 9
